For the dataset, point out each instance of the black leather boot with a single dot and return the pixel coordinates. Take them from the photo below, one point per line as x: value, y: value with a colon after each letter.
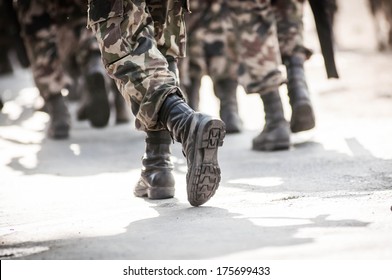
x: 200, y: 136
x: 59, y: 124
x: 276, y: 131
x: 226, y: 91
x: 95, y: 104
x: 302, y: 117
x: 156, y: 180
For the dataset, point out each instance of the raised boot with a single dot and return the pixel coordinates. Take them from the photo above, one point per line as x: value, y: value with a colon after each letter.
x: 156, y: 180
x: 302, y: 117
x: 200, y: 136
x: 95, y: 104
x: 276, y: 131
x: 226, y: 91
x: 59, y: 123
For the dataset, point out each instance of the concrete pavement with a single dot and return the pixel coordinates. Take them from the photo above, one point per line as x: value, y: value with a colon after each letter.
x: 328, y: 197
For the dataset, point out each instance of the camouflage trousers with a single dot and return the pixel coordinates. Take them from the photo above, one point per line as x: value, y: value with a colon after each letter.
x: 210, y: 44
x: 289, y: 19
x: 242, y: 45
x: 53, y: 31
x: 257, y: 45
x: 137, y: 39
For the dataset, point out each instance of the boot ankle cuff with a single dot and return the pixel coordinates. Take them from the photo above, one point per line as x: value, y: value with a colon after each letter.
x: 159, y: 137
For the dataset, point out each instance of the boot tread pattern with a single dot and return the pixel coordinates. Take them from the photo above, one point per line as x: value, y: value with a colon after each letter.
x: 205, y: 177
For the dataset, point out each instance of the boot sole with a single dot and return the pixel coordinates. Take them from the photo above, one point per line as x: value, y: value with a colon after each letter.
x: 204, y: 177
x: 302, y: 118
x: 98, y: 111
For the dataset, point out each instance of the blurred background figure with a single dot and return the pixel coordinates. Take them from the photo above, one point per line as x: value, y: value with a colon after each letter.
x: 382, y: 13
x: 289, y: 18
x: 61, y: 49
x: 259, y: 59
x: 39, y: 31
x: 10, y: 39
x: 90, y: 88
x: 211, y: 51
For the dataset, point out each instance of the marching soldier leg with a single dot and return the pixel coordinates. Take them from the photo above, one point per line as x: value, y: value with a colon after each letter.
x: 137, y: 58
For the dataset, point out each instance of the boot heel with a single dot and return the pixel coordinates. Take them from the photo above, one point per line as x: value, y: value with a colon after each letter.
x: 160, y: 192
x: 213, y: 134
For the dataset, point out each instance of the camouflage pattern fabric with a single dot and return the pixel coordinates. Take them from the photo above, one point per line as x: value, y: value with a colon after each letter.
x: 39, y: 34
x: 75, y: 41
x: 239, y: 43
x: 137, y: 38
x: 53, y: 31
x: 257, y: 45
x: 289, y: 15
x: 211, y: 43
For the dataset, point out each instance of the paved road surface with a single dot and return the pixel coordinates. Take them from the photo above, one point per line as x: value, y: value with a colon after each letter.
x: 328, y: 197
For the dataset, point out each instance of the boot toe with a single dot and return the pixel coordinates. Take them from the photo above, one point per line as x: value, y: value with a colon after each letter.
x: 273, y: 138
x: 302, y: 118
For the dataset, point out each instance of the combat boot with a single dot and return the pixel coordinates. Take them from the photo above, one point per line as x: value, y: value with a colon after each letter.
x: 59, y: 124
x: 95, y: 104
x: 226, y: 91
x: 302, y: 117
x: 276, y: 131
x: 200, y: 136
x: 156, y: 180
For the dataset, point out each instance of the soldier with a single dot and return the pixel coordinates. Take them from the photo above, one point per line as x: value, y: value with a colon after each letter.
x: 140, y: 43
x: 210, y: 50
x: 259, y: 57
x: 85, y: 58
x: 47, y: 29
x: 211, y: 45
x: 289, y: 14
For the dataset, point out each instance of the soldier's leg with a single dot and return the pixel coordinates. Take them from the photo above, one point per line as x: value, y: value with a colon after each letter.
x: 260, y: 58
x: 222, y: 62
x: 136, y: 52
x: 79, y: 44
x: 193, y: 67
x: 39, y: 34
x: 289, y: 14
